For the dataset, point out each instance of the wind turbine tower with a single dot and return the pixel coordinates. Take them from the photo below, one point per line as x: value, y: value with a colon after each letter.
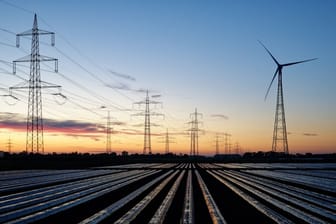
x: 280, y: 142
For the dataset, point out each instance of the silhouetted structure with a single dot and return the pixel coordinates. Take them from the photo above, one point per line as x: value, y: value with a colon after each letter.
x: 108, y: 133
x: 227, y: 143
x: 34, y: 140
x: 280, y: 142
x: 194, y: 133
x: 147, y: 114
x: 217, y: 145
x: 167, y: 140
x: 9, y: 145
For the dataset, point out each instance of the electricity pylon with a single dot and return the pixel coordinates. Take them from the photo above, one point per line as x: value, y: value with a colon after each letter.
x: 147, y: 114
x: 108, y: 133
x: 237, y: 148
x: 34, y: 139
x: 227, y: 143
x: 9, y: 145
x: 167, y: 141
x: 194, y: 132
x: 218, y: 140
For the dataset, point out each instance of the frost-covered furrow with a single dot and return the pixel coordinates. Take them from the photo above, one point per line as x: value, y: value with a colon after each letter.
x: 313, y: 197
x: 315, y: 182
x: 257, y: 193
x: 214, y: 212
x: 161, y: 212
x: 35, y: 182
x: 251, y: 200
x: 41, y: 210
x: 6, y: 176
x: 287, y: 198
x: 330, y: 174
x: 108, y: 211
x: 59, y: 191
x: 135, y: 211
x: 188, y: 207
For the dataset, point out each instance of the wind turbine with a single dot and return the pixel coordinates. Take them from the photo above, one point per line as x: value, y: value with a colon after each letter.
x: 280, y: 133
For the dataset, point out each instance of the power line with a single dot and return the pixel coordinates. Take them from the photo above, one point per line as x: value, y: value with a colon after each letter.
x: 116, y: 106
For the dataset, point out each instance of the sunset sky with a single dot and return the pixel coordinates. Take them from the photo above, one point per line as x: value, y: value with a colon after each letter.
x: 188, y: 54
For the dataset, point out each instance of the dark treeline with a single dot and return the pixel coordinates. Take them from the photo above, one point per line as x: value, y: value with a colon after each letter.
x: 76, y: 160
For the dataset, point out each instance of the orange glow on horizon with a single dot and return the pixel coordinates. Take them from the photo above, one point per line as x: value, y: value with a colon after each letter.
x: 95, y: 143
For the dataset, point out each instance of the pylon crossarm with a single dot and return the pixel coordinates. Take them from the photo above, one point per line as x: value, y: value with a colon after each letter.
x: 39, y: 58
x: 49, y: 85
x: 19, y: 86
x: 35, y: 32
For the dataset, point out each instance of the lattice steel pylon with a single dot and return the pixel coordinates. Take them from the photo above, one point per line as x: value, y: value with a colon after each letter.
x: 108, y: 133
x: 217, y: 145
x: 280, y: 142
x: 147, y: 114
x: 167, y: 142
x: 34, y: 139
x: 227, y: 143
x: 9, y: 145
x: 194, y: 133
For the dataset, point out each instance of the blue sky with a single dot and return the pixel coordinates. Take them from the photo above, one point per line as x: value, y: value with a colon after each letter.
x: 202, y: 54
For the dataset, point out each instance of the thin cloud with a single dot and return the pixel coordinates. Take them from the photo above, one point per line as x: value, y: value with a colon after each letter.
x: 141, y: 90
x: 118, y: 123
x: 124, y: 76
x: 119, y: 86
x: 156, y: 96
x: 18, y: 123
x: 310, y: 134
x: 222, y: 116
x: 125, y: 87
x: 92, y: 137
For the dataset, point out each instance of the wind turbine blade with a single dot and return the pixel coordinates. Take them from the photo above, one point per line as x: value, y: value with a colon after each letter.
x: 298, y: 62
x: 269, y: 53
x: 269, y: 87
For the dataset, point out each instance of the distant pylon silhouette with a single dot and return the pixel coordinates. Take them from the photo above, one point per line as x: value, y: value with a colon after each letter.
x: 34, y: 140
x: 217, y: 145
x: 147, y: 114
x: 108, y: 133
x: 194, y: 133
x: 167, y: 142
x: 227, y: 143
x: 147, y: 135
x: 9, y: 145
